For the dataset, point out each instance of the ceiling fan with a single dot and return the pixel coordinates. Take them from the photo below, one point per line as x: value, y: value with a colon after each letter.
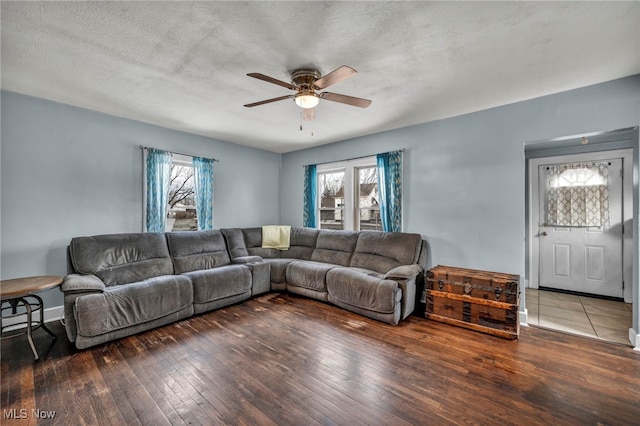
x: 306, y: 83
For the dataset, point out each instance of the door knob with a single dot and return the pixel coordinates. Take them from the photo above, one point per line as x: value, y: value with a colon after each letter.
x: 544, y: 234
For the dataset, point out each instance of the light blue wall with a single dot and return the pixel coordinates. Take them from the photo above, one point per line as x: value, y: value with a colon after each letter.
x: 68, y: 171
x: 465, y: 176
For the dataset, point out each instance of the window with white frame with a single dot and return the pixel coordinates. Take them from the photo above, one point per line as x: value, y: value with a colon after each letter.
x: 348, y: 195
x: 368, y: 213
x: 332, y: 199
x: 181, y: 215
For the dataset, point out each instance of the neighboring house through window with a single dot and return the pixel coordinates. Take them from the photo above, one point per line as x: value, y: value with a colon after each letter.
x: 348, y: 194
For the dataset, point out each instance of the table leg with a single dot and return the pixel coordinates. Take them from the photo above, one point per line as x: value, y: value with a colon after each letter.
x: 41, y: 307
x: 31, y: 307
x: 27, y: 306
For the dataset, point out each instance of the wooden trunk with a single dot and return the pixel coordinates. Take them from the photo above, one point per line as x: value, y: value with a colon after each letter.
x: 480, y: 300
x: 486, y: 285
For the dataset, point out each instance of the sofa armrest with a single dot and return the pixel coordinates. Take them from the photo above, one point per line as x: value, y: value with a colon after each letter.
x: 74, y: 286
x: 77, y: 283
x: 408, y: 303
x: 403, y: 272
x: 243, y: 260
x: 405, y: 276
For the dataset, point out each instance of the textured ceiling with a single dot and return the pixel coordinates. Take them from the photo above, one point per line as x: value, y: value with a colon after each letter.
x: 183, y: 65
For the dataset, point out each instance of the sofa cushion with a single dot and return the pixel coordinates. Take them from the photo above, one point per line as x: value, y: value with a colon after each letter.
x: 303, y: 242
x: 219, y: 283
x: 248, y: 242
x: 383, y: 251
x: 335, y: 247
x: 253, y: 243
x: 369, y: 272
x: 128, y: 305
x: 244, y: 260
x: 197, y: 250
x: 121, y: 258
x: 279, y: 269
x: 363, y: 291
x: 308, y: 274
x: 235, y: 242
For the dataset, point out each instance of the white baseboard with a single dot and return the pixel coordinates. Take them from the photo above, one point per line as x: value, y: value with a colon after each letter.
x: 634, y: 338
x: 523, y: 317
x: 50, y: 314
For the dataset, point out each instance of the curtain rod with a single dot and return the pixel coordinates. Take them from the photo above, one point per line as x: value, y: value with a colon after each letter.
x: 179, y: 153
x: 350, y: 159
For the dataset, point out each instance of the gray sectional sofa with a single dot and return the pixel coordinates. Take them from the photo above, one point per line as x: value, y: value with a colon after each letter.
x: 122, y: 284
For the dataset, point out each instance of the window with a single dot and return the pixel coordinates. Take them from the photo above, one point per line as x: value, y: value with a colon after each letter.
x: 577, y: 194
x: 348, y: 194
x: 177, y: 191
x: 368, y: 201
x: 578, y: 176
x: 331, y: 189
x: 181, y: 215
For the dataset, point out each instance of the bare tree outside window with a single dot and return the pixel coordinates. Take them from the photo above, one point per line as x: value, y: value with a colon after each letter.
x: 182, y: 205
x: 331, y: 200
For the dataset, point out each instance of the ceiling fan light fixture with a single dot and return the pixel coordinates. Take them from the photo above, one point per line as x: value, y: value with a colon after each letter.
x: 307, y: 100
x: 305, y: 82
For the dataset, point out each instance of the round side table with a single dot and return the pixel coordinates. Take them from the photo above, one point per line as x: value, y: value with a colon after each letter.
x: 20, y: 293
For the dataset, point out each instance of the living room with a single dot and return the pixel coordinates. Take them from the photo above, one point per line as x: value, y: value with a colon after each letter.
x: 73, y: 169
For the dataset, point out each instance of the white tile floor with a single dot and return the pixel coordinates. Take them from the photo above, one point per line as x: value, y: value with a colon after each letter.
x: 586, y: 316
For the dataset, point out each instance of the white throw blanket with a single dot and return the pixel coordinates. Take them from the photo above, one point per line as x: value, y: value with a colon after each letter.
x: 276, y: 236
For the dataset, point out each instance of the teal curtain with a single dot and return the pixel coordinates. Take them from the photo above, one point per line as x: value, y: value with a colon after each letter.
x: 310, y: 196
x: 158, y: 176
x: 203, y: 177
x: 390, y: 190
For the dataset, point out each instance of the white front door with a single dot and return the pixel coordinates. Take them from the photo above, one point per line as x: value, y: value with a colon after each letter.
x: 585, y: 259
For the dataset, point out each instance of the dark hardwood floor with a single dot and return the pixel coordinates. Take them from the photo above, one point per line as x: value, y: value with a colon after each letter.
x: 283, y: 359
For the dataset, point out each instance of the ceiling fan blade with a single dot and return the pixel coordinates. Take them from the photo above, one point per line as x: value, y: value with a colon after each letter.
x: 335, y: 76
x: 272, y: 80
x: 267, y: 101
x: 344, y: 99
x: 308, y: 114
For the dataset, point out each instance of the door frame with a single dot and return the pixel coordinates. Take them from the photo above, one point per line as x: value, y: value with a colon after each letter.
x: 627, y: 211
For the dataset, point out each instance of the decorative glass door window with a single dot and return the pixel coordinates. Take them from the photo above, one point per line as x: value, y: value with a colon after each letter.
x: 578, y: 195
